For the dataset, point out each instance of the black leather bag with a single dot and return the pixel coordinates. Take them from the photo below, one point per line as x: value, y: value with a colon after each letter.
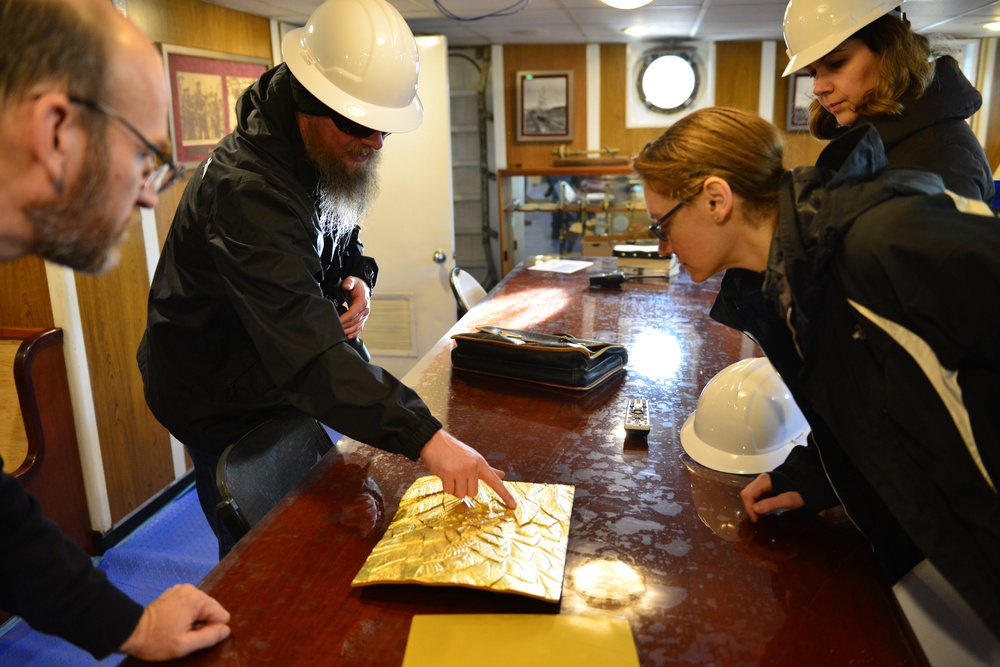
x: 557, y: 360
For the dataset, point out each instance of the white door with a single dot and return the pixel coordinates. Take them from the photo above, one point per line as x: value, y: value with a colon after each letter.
x: 411, y: 225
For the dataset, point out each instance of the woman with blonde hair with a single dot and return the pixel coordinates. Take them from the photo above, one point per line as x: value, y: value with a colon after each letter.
x: 875, y: 298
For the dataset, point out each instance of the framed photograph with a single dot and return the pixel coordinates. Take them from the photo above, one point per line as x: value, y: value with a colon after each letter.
x: 204, y: 87
x: 545, y: 106
x: 799, y: 98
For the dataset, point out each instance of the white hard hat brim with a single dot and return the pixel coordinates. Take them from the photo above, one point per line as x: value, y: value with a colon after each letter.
x: 813, y: 53
x: 824, y: 26
x: 737, y: 464
x: 383, y: 119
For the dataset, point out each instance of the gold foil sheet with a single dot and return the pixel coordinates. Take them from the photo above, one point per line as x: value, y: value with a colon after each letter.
x: 438, y: 539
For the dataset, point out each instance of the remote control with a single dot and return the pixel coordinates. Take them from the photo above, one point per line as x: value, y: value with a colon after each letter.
x: 637, y: 415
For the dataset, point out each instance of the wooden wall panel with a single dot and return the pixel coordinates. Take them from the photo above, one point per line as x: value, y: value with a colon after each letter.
x: 518, y: 57
x: 202, y: 26
x: 614, y: 89
x: 134, y: 447
x: 24, y: 294
x: 737, y: 67
x: 737, y: 75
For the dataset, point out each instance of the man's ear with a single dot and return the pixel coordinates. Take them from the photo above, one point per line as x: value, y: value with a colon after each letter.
x: 719, y: 198
x: 54, y: 137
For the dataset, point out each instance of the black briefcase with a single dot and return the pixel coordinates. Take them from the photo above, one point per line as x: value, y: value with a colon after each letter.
x: 557, y: 360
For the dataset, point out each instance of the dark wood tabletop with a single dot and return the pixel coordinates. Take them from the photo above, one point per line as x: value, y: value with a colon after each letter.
x: 716, y: 589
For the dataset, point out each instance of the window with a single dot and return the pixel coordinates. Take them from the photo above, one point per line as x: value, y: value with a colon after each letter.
x: 668, y: 81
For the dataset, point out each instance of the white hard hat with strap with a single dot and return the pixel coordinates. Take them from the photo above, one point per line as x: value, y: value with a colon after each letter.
x: 813, y: 28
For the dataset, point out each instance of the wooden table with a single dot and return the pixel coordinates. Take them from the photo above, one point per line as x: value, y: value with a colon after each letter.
x: 718, y: 590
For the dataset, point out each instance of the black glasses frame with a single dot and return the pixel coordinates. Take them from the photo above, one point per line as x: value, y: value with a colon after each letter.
x: 352, y: 128
x: 165, y: 173
x: 657, y: 226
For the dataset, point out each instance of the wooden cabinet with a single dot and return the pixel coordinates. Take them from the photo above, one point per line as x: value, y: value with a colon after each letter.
x: 569, y: 211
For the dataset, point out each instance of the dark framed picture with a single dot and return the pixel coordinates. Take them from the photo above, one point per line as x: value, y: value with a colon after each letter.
x: 545, y: 106
x: 204, y: 87
x: 799, y: 98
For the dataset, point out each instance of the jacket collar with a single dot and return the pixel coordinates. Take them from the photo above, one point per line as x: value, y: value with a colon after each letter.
x: 949, y: 96
x: 266, y: 121
x: 818, y: 206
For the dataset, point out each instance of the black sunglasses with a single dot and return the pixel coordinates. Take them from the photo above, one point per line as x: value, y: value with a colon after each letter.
x: 165, y: 173
x: 356, y: 130
x: 656, y: 226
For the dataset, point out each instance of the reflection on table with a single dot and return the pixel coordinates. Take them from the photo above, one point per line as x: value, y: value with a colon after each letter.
x: 654, y: 537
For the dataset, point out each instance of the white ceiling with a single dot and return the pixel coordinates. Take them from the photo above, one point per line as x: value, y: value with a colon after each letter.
x: 592, y: 22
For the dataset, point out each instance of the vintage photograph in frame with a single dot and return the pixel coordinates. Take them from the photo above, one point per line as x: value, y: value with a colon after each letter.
x: 799, y: 98
x: 204, y: 87
x: 544, y: 106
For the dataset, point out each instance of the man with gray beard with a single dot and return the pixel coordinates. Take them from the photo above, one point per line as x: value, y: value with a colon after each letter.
x: 243, y: 322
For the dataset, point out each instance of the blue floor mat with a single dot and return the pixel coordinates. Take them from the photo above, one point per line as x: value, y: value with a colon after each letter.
x: 173, y: 546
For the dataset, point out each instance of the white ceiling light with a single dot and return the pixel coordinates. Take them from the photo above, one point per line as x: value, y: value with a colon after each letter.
x: 639, y: 30
x: 994, y: 26
x: 626, y: 4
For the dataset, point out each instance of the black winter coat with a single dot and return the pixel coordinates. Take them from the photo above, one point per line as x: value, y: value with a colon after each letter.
x: 239, y: 325
x: 891, y: 348
x: 931, y: 135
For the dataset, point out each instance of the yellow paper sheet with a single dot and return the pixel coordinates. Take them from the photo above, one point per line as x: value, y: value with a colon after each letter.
x: 524, y: 640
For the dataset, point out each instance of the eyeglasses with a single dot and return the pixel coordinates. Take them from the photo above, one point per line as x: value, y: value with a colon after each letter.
x: 655, y: 227
x: 356, y: 130
x: 165, y: 173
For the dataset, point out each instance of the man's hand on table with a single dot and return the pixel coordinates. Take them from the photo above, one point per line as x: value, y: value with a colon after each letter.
x: 460, y: 468
x: 182, y: 620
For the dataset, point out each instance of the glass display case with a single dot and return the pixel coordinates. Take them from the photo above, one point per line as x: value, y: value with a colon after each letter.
x: 569, y: 211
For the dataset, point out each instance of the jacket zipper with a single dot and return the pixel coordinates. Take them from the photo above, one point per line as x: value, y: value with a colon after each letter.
x: 791, y: 329
x: 833, y: 486
x: 819, y: 450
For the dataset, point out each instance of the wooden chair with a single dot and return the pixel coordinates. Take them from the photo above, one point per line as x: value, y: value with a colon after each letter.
x: 47, y: 461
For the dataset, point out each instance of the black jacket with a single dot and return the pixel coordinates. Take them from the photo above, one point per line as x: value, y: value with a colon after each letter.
x: 891, y: 358
x: 239, y: 326
x: 932, y: 133
x: 51, y: 583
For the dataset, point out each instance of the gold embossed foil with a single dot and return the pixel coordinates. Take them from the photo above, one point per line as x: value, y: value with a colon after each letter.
x: 438, y: 539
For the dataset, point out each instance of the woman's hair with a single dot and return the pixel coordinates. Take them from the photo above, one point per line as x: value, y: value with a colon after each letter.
x: 739, y: 147
x: 904, y: 68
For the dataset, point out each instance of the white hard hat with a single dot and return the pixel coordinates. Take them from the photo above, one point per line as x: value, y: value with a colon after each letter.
x: 813, y: 28
x: 746, y: 421
x: 359, y: 58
